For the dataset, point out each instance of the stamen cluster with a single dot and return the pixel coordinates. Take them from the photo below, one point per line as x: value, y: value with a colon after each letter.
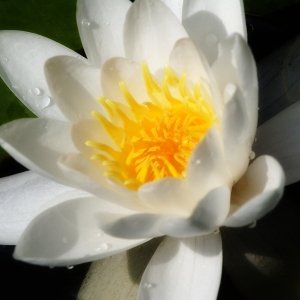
x: 158, y: 141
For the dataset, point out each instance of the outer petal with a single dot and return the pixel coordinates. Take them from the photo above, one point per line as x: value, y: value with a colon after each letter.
x: 184, y: 269
x: 210, y: 21
x: 75, y: 86
x: 68, y: 234
x: 100, y: 25
x: 175, y: 6
x: 21, y: 197
x: 150, y: 22
x: 132, y: 226
x: 280, y: 138
x: 22, y: 60
x: 37, y: 144
x: 257, y: 192
x: 235, y: 64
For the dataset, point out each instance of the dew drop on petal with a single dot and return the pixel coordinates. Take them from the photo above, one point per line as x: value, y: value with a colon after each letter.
x: 253, y: 225
x: 106, y: 23
x: 36, y: 91
x: 211, y: 38
x: 6, y: 59
x: 217, y: 231
x: 43, y: 103
x: 197, y: 162
x: 70, y: 267
x: 15, y: 87
x: 147, y: 285
x: 85, y: 22
x: 98, y: 234
x: 102, y: 247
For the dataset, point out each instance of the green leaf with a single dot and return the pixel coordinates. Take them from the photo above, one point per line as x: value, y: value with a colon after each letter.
x: 54, y: 19
x: 264, y: 7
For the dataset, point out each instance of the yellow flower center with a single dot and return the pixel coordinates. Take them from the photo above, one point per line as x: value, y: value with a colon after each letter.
x: 158, y: 139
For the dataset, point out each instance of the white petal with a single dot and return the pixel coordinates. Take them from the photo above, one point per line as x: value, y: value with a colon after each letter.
x: 37, y: 144
x: 235, y: 64
x: 68, y: 234
x: 185, y: 58
x: 168, y: 195
x: 207, y: 168
x: 175, y: 6
x: 120, y: 69
x: 209, y: 214
x: 235, y: 132
x: 257, y: 192
x: 75, y: 86
x: 151, y: 31
x: 133, y: 226
x: 210, y: 21
x: 280, y: 138
x: 184, y: 269
x: 88, y: 178
x: 22, y: 60
x: 100, y: 25
x: 21, y: 197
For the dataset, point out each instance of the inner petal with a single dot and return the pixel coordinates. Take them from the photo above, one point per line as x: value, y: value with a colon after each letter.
x: 156, y: 139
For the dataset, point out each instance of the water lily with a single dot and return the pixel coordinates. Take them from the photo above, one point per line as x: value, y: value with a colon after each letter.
x: 150, y: 136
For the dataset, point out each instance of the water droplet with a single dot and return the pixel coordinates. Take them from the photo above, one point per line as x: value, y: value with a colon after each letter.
x: 6, y: 59
x: 211, y: 38
x: 217, y: 231
x: 70, y: 267
x: 252, y: 155
x: 98, y: 234
x: 197, y: 162
x: 43, y: 103
x: 255, y: 140
x: 85, y: 22
x: 106, y: 23
x: 51, y: 267
x: 36, y: 91
x: 253, y: 225
x: 15, y: 87
x: 102, y: 247
x: 147, y: 285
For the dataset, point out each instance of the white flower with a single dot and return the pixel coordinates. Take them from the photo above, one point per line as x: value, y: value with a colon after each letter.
x: 165, y: 152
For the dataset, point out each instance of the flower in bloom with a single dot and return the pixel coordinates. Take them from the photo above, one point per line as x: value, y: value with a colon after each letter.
x: 150, y: 136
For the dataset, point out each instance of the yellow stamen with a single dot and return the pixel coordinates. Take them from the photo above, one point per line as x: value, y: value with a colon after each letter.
x: 158, y: 137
